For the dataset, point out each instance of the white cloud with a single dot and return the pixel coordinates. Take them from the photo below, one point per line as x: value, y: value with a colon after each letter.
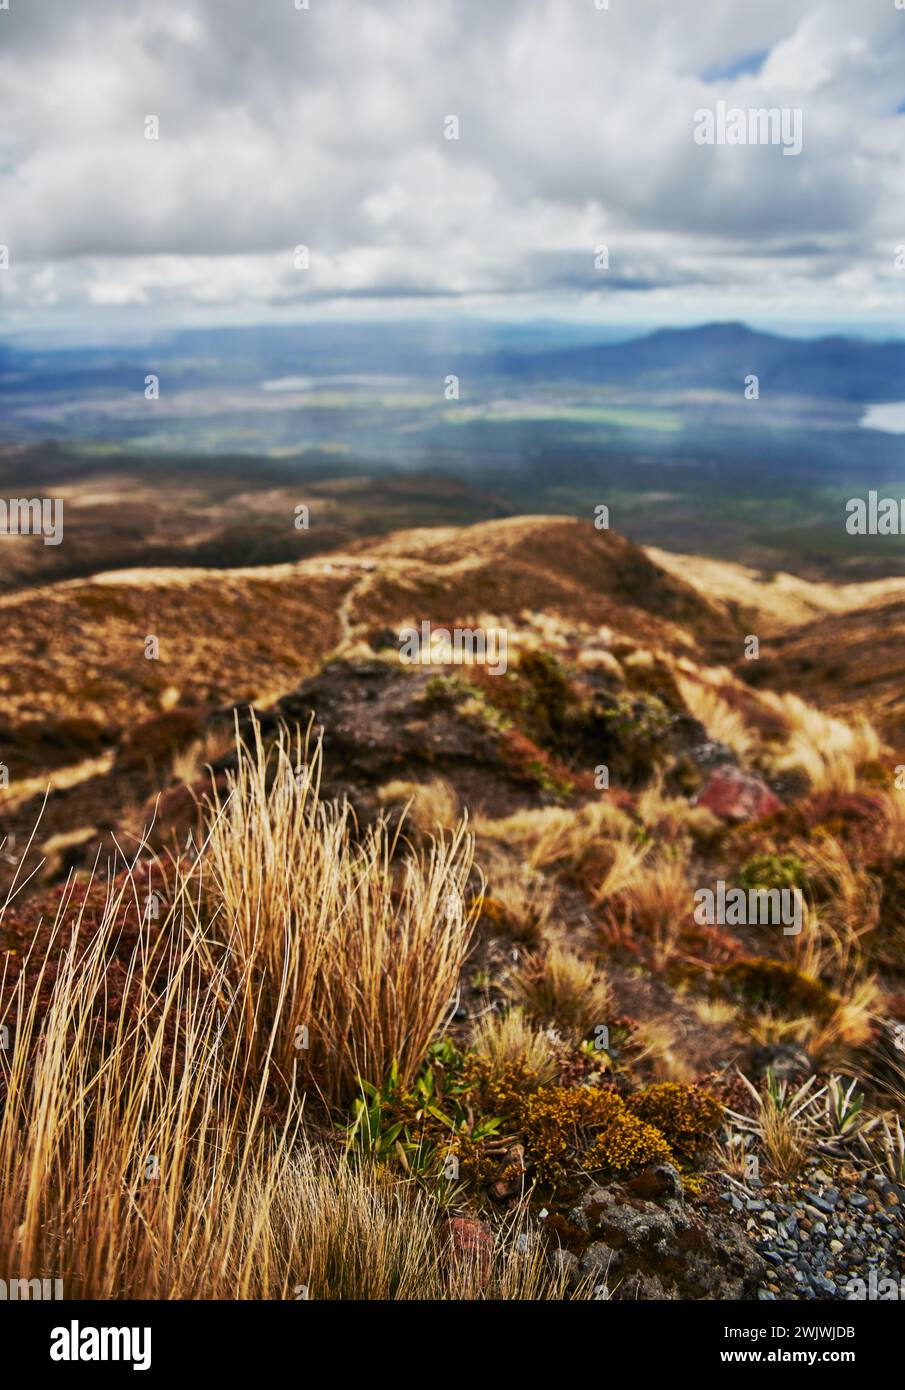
x: 325, y: 127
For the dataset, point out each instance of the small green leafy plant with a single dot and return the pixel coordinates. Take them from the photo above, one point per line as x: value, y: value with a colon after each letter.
x: 426, y: 1126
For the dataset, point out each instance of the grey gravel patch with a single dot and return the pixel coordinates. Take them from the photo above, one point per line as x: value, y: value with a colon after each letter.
x: 816, y: 1239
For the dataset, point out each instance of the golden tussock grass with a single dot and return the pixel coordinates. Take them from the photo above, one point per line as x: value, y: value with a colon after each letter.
x: 669, y: 819
x: 366, y: 951
x: 723, y: 723
x: 716, y: 1013
x: 894, y: 824
x: 189, y: 764
x: 656, y: 904
x: 624, y: 862
x: 430, y: 807
x: 562, y: 989
x: 827, y: 750
x: 508, y: 1039
x: 783, y: 1124
x: 599, y: 659
x: 557, y: 836
x: 851, y: 1025
x: 786, y: 1142
x: 519, y: 900
x: 837, y: 934
x: 660, y: 1051
x: 153, y: 1137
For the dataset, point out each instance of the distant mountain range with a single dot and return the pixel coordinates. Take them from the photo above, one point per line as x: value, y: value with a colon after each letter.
x: 711, y: 357
x: 718, y: 356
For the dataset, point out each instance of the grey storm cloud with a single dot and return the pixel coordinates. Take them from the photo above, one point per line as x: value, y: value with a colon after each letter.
x: 325, y: 126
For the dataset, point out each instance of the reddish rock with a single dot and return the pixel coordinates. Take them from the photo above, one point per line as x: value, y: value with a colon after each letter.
x: 737, y: 795
x: 470, y: 1246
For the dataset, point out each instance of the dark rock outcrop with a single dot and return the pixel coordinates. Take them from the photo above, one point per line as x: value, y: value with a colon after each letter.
x: 644, y: 1241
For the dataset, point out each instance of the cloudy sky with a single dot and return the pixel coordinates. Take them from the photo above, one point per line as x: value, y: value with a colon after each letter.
x: 325, y: 127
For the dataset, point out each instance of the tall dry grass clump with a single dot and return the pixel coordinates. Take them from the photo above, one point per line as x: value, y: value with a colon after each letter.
x: 138, y: 1159
x: 341, y: 1232
x: 154, y: 1139
x: 363, y: 942
x: 128, y: 1128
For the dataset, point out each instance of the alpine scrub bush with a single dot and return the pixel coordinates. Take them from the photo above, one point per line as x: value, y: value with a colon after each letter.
x: 593, y: 1129
x: 634, y: 731
x: 499, y: 1086
x: 564, y: 1129
x: 588, y: 1128
x: 686, y: 1116
x: 644, y: 720
x: 535, y: 697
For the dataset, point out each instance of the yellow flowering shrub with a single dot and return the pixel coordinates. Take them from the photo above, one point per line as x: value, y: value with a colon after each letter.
x: 586, y: 1127
x: 686, y: 1116
x: 498, y: 1093
x: 592, y: 1128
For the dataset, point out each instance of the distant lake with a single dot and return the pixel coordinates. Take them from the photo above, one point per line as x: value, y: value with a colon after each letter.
x: 889, y: 417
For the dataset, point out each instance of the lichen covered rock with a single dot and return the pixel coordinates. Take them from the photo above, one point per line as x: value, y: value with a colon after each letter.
x: 644, y: 1241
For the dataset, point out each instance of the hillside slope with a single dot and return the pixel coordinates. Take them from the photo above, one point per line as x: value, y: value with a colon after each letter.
x: 776, y: 601
x: 77, y: 649
x: 88, y: 712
